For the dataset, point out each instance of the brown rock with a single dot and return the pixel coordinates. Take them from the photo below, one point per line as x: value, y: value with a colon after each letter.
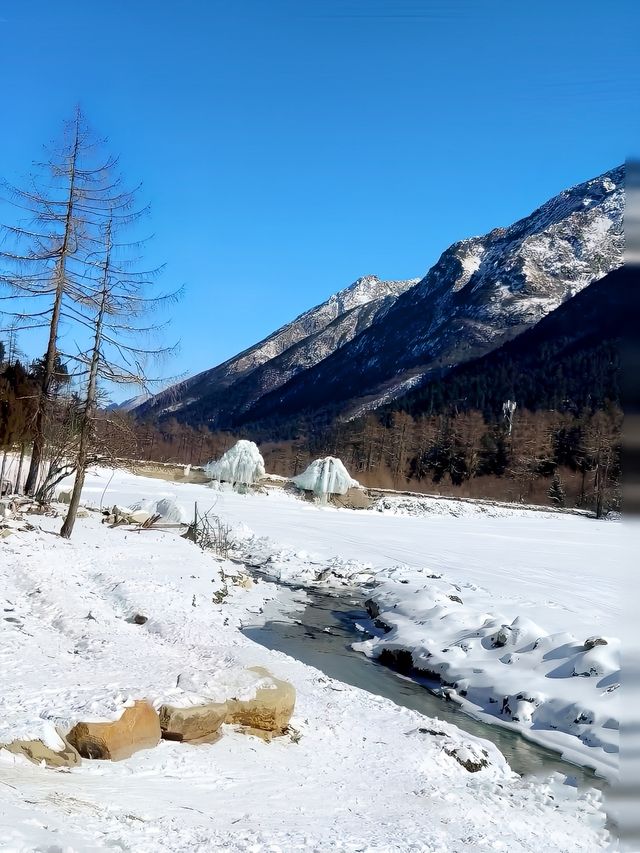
x: 271, y: 708
x: 355, y: 498
x: 37, y: 751
x: 137, y: 728
x: 195, y: 724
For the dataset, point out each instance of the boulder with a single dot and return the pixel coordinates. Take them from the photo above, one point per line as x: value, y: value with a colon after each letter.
x: 271, y: 708
x: 195, y: 724
x: 37, y: 751
x: 137, y: 728
x: 354, y: 498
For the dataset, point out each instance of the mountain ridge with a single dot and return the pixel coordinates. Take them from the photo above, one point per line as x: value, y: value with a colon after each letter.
x: 374, y: 339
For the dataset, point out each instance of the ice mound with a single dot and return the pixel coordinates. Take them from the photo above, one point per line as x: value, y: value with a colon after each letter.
x: 326, y: 476
x: 168, y: 510
x: 242, y: 465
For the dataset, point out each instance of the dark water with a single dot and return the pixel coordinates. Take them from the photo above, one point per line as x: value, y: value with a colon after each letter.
x: 320, y: 634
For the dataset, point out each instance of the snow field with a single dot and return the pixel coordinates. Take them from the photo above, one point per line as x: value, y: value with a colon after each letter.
x: 366, y: 774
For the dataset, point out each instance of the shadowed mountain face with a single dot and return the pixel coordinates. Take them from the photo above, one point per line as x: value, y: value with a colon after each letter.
x: 370, y: 343
x: 570, y: 360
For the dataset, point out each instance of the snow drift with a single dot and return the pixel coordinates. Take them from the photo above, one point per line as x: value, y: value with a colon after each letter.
x: 242, y: 465
x: 326, y: 476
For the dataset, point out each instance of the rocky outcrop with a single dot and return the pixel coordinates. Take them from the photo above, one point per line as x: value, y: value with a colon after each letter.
x: 138, y: 728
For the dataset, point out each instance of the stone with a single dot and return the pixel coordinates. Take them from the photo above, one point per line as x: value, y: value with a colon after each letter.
x: 472, y: 759
x: 271, y: 708
x: 194, y: 724
x: 137, y: 728
x: 592, y: 642
x: 37, y: 752
x: 354, y: 498
x: 138, y: 619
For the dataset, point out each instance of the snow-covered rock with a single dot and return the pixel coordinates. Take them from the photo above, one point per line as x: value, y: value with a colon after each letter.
x: 242, y: 465
x: 326, y: 476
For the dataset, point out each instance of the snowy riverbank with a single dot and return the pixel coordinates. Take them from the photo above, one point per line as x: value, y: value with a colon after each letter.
x: 365, y: 774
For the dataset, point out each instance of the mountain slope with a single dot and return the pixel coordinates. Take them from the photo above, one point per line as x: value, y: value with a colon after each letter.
x: 375, y: 340
x: 219, y: 395
x: 569, y: 360
x: 482, y: 292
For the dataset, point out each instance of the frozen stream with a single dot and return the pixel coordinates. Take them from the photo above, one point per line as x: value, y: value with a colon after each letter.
x: 320, y: 632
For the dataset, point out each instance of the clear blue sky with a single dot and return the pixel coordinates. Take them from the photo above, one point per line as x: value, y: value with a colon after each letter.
x: 289, y: 146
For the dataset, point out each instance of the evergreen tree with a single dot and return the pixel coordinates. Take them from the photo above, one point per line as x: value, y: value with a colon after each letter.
x: 556, y: 491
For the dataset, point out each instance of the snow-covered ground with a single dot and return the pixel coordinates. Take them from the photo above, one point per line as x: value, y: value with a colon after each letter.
x: 363, y: 775
x: 560, y: 575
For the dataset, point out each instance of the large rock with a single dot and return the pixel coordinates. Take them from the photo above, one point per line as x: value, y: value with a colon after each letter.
x: 198, y: 723
x: 354, y: 498
x: 37, y: 751
x: 137, y: 728
x: 271, y: 708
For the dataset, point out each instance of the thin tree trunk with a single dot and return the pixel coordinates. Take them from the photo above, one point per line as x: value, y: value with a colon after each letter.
x: 2, y: 470
x: 20, y: 464
x: 50, y: 357
x: 86, y: 430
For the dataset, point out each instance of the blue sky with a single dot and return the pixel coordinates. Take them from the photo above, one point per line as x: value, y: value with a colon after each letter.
x: 289, y: 147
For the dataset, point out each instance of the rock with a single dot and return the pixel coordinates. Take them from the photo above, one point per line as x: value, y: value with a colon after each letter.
x: 37, y: 751
x: 456, y: 598
x: 354, y: 498
x: 137, y: 728
x: 195, y: 724
x: 502, y: 637
x: 373, y: 608
x: 271, y: 708
x: 399, y: 659
x: 592, y: 642
x: 471, y: 758
x: 6, y: 531
x: 138, y: 619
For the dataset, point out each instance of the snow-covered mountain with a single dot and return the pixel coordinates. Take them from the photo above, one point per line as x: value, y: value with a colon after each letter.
x: 376, y: 339
x: 227, y: 390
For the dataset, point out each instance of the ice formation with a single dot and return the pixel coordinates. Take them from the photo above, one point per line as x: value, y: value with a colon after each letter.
x: 168, y: 510
x: 242, y: 465
x: 326, y: 476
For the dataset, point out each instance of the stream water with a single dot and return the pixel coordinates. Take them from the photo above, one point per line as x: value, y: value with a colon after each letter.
x: 320, y: 633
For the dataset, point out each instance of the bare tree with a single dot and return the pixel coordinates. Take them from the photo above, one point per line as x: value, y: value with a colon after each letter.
x: 47, y: 255
x: 109, y: 309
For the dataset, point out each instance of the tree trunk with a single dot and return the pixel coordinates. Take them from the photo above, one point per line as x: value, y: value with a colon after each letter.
x: 2, y: 470
x: 86, y: 429
x: 50, y: 357
x: 20, y: 464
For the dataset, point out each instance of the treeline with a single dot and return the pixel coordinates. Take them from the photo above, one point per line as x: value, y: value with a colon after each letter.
x: 542, y: 457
